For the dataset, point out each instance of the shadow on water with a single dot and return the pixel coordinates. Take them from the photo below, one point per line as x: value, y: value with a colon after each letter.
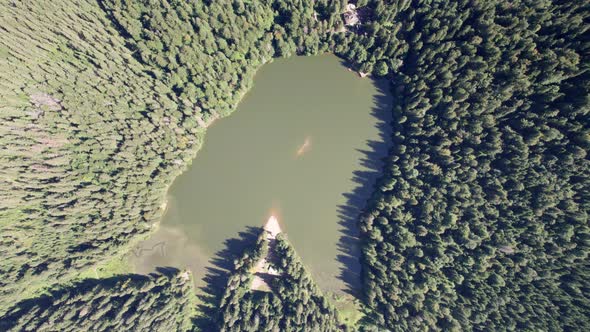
x: 372, y: 162
x: 217, y: 274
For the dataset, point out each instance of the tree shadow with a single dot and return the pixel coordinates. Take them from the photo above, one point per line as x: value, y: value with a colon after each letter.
x: 217, y: 274
x: 349, y: 244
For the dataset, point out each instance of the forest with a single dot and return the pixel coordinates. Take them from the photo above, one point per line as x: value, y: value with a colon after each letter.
x: 158, y: 302
x: 479, y: 220
x: 294, y: 302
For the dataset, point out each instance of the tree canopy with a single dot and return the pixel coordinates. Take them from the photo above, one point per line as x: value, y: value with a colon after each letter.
x: 293, y: 301
x: 478, y: 222
x: 158, y: 302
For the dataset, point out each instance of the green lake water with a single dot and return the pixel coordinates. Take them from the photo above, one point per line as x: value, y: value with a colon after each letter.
x: 298, y: 146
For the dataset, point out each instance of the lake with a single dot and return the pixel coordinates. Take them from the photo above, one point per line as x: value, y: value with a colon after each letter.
x: 304, y: 145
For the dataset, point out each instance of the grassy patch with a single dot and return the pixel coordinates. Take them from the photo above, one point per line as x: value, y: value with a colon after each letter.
x: 114, y: 266
x: 349, y: 309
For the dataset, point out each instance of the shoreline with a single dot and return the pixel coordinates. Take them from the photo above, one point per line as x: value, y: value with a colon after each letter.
x: 199, y: 136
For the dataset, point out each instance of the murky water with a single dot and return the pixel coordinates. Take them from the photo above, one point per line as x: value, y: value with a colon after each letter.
x: 298, y: 145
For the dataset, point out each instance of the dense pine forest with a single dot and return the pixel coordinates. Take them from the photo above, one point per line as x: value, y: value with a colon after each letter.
x: 478, y: 222
x: 159, y: 302
x: 294, y: 302
x: 89, y: 144
x: 481, y: 220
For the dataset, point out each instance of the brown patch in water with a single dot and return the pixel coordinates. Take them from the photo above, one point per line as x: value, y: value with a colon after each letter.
x: 305, y: 147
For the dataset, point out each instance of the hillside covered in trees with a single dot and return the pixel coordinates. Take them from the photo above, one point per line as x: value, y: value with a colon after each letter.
x: 292, y: 303
x: 159, y: 302
x: 89, y: 144
x: 479, y: 221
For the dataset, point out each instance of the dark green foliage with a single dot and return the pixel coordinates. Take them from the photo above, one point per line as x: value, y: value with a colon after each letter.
x: 295, y: 303
x: 305, y: 27
x: 208, y: 52
x: 380, y: 43
x: 480, y: 221
x: 103, y: 104
x: 159, y: 302
x: 89, y: 144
